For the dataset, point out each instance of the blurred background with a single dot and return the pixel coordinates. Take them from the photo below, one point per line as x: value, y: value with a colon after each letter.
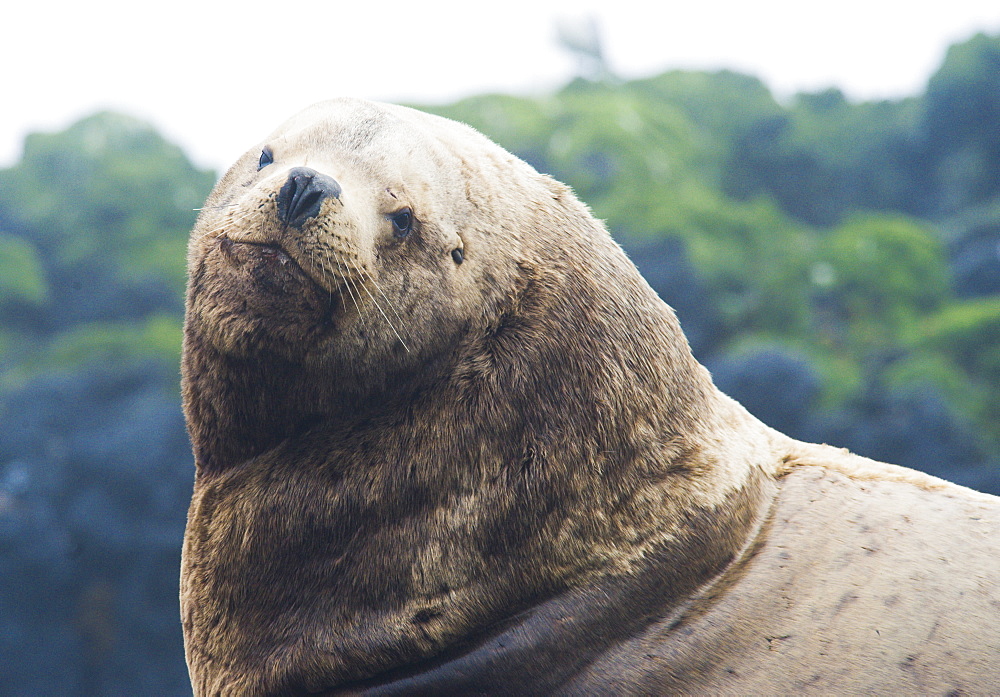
x: 814, y: 189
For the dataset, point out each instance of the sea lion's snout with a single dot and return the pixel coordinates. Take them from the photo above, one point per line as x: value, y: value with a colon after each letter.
x: 303, y: 193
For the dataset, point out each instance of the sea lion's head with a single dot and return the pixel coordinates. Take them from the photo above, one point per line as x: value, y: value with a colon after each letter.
x: 355, y: 241
x: 364, y: 253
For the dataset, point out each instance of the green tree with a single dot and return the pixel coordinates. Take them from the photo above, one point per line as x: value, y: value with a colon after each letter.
x: 876, y: 276
x: 825, y: 157
x: 22, y: 278
x: 968, y: 332
x: 96, y: 220
x: 962, y: 124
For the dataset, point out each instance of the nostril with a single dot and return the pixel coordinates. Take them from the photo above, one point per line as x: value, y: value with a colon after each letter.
x: 303, y: 193
x: 310, y: 198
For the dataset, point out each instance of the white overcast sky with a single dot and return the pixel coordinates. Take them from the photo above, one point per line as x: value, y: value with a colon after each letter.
x: 216, y: 77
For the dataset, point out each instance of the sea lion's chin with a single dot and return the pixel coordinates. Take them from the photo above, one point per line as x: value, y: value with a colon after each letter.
x: 257, y: 298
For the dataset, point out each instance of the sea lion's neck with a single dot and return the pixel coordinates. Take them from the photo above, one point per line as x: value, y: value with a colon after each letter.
x: 412, y: 584
x: 237, y: 407
x: 240, y: 407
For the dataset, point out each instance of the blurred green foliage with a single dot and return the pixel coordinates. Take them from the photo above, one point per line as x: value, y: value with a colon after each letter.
x: 94, y: 224
x: 22, y: 279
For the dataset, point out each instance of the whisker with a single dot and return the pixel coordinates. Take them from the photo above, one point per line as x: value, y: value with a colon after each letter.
x: 382, y: 312
x: 217, y: 208
x: 388, y: 304
x: 324, y: 271
x: 347, y: 282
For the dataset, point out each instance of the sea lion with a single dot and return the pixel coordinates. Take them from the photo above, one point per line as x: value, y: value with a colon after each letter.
x: 448, y: 441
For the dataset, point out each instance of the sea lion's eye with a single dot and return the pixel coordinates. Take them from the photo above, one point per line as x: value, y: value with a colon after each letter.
x: 266, y: 158
x: 402, y: 222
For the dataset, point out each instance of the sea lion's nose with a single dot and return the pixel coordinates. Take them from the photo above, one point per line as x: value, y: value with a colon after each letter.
x: 303, y: 193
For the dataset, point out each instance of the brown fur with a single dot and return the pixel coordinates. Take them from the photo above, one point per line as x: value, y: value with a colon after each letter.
x: 509, y: 474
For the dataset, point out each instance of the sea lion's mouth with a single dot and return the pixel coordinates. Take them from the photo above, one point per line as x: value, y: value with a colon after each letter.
x: 272, y: 254
x: 268, y: 264
x: 269, y: 253
x: 242, y: 253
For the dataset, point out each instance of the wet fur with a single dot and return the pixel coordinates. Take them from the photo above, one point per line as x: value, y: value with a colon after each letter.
x: 406, y: 464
